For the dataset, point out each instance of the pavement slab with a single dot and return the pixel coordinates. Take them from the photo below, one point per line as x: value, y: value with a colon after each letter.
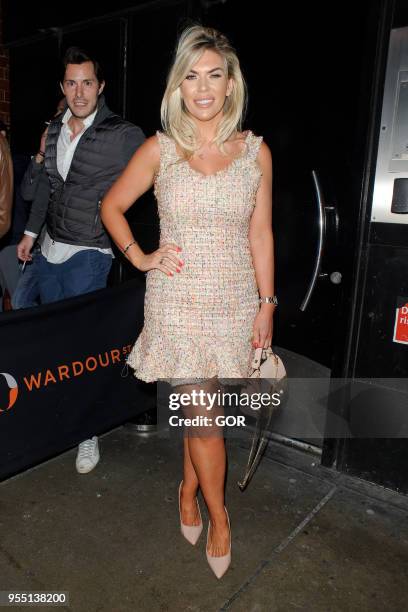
x: 111, y: 538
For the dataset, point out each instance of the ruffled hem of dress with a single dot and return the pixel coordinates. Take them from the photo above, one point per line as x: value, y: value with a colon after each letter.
x: 172, y: 358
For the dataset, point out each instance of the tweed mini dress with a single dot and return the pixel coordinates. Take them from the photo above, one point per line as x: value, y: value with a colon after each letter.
x: 198, y: 324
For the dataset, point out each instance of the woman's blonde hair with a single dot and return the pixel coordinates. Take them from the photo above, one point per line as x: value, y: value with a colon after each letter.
x: 177, y: 124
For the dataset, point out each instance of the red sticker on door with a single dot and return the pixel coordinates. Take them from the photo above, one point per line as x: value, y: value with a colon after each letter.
x: 401, y: 321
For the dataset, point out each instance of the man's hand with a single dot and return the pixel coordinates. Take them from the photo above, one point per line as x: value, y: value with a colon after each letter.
x: 24, y: 247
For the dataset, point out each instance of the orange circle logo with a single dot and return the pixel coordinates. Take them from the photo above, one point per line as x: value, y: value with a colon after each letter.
x: 13, y: 390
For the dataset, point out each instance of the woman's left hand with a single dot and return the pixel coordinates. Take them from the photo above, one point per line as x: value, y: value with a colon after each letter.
x: 263, y: 327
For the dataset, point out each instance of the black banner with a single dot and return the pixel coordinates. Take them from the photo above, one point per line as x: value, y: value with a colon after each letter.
x: 63, y: 376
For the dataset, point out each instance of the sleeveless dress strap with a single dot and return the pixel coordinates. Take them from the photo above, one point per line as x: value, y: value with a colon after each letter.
x: 254, y: 144
x: 167, y: 150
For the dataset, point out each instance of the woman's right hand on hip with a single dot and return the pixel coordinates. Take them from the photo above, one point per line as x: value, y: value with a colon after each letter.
x: 163, y: 259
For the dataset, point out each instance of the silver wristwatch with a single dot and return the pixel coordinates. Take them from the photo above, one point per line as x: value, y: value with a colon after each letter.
x: 269, y: 300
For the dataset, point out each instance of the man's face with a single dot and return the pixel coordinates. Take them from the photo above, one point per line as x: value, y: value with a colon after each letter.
x: 81, y: 89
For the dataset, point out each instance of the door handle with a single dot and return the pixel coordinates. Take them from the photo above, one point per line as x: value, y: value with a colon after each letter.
x: 336, y: 278
x: 320, y: 242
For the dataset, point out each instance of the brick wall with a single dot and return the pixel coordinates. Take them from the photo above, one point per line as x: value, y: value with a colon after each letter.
x: 4, y: 79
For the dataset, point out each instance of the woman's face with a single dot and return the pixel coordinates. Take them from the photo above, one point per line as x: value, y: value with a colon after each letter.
x: 206, y: 86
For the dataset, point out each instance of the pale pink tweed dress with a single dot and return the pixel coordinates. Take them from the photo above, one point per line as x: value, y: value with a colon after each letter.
x: 199, y: 322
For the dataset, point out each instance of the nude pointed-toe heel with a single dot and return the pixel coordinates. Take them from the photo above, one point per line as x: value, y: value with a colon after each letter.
x: 190, y: 532
x: 219, y: 565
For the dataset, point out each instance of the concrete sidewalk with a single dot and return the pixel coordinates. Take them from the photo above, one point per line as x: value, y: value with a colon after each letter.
x: 304, y: 538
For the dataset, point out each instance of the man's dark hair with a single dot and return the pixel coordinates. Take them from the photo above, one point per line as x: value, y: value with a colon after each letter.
x: 75, y: 55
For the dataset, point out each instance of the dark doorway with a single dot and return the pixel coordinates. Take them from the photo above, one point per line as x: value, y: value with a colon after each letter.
x: 309, y: 70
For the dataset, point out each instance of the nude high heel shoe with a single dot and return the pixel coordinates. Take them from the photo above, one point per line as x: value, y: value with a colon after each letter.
x: 219, y: 565
x: 190, y: 532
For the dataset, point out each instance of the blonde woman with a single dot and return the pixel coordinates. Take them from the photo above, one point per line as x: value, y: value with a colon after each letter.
x: 210, y: 285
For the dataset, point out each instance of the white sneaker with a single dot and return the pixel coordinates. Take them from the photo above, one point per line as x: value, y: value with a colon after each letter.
x: 88, y: 455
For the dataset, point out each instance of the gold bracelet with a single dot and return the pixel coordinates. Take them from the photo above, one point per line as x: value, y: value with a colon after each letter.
x: 128, y: 246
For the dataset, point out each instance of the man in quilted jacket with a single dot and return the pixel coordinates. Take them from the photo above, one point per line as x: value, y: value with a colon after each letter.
x: 86, y: 149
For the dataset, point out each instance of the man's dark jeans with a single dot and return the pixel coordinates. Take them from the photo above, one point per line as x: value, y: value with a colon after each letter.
x: 83, y: 272
x: 27, y: 292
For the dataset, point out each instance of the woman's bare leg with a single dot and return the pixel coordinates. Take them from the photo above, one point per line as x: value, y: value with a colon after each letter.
x: 206, y: 455
x: 189, y: 510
